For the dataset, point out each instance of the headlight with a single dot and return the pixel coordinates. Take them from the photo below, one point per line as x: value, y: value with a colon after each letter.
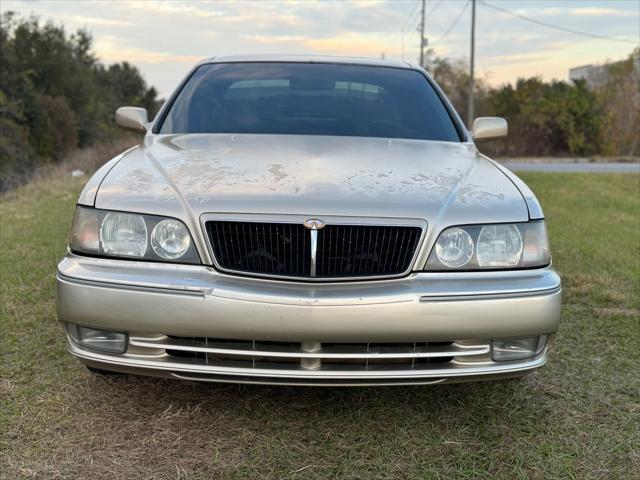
x: 499, y: 246
x: 487, y: 247
x: 128, y: 235
x: 170, y: 239
x: 454, y: 248
x: 123, y: 234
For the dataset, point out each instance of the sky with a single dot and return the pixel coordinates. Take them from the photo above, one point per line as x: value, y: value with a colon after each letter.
x: 164, y: 39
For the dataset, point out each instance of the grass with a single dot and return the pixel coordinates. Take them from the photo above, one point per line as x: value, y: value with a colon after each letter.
x: 87, y: 159
x: 576, y: 418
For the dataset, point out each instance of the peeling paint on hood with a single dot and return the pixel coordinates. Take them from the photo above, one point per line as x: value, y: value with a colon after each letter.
x: 188, y: 175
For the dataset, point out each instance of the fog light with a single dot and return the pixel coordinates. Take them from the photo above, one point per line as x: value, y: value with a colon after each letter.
x: 517, y: 348
x: 105, y: 340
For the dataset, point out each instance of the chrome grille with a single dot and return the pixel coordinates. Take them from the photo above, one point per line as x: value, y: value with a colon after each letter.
x: 294, y: 356
x: 284, y: 249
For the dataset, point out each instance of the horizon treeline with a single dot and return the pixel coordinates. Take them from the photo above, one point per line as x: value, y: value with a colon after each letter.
x: 56, y: 96
x: 557, y: 118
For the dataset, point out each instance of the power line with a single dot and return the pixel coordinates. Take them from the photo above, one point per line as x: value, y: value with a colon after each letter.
x: 415, y: 9
x: 453, y: 24
x: 399, y: 41
x: 422, y: 26
x: 551, y: 25
x: 435, y: 7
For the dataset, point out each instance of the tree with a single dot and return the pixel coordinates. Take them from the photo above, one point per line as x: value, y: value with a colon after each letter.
x: 55, y: 95
x: 453, y: 78
x: 545, y: 118
x: 619, y: 97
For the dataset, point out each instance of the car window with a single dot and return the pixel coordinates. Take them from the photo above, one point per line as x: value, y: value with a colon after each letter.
x: 310, y: 99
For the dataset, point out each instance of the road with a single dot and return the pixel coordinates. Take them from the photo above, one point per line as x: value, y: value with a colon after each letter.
x: 574, y: 167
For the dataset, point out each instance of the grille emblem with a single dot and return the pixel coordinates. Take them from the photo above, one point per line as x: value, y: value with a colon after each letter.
x: 314, y: 224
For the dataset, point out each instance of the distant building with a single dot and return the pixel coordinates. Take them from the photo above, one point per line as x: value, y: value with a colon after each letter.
x: 595, y: 75
x: 590, y: 73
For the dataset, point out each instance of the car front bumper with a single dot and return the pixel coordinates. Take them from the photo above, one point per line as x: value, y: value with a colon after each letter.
x: 179, y: 317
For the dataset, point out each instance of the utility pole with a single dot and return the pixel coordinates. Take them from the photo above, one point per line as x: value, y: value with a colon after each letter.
x: 470, y: 112
x: 422, y: 36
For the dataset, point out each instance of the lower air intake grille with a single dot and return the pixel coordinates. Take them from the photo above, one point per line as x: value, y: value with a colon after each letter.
x: 328, y: 356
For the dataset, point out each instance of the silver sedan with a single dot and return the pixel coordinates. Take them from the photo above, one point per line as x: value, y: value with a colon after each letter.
x: 308, y: 220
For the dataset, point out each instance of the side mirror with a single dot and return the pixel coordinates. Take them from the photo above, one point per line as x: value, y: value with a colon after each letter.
x: 488, y: 128
x: 132, y: 118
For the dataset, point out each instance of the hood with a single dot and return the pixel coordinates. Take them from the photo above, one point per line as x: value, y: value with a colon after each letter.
x: 189, y: 175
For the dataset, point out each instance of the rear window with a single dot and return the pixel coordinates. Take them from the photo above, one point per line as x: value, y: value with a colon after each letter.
x: 310, y: 99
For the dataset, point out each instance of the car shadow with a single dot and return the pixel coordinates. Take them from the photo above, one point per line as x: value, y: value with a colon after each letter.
x: 286, y: 402
x: 267, y: 429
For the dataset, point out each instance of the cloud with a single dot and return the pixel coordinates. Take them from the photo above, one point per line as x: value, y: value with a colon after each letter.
x: 515, y: 58
x: 597, y: 12
x: 559, y: 12
x: 244, y: 13
x: 96, y: 21
x: 189, y: 9
x: 111, y: 49
x: 275, y: 39
x: 348, y: 44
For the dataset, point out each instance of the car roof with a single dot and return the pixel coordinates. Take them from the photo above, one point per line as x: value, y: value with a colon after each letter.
x: 308, y: 59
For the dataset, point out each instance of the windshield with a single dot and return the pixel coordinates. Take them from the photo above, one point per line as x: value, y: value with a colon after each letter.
x: 310, y: 99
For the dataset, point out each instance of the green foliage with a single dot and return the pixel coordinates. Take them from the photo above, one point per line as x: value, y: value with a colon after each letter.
x: 55, y: 95
x: 554, y: 118
x: 619, y: 97
x: 453, y: 78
